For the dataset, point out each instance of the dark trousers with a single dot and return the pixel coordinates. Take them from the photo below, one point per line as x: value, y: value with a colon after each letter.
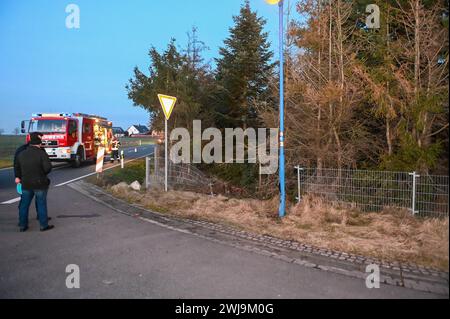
x: 41, y: 206
x: 35, y: 203
x: 114, y: 155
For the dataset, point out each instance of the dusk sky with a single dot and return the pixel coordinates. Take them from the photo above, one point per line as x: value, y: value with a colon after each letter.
x: 46, y: 67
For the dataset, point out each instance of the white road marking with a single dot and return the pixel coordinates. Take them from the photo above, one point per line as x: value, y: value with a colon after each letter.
x: 11, y: 201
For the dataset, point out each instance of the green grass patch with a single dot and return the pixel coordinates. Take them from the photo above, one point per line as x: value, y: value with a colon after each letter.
x: 133, y: 171
x: 4, y: 163
x: 11, y: 140
x: 136, y: 141
x: 8, y: 146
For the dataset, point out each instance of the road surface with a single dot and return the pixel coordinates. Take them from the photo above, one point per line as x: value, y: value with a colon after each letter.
x: 62, y: 173
x: 124, y: 257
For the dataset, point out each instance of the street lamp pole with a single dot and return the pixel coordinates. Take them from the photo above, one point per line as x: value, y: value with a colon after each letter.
x: 282, y: 207
x: 281, y: 160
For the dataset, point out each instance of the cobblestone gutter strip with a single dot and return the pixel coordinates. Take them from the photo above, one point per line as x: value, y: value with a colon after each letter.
x: 392, y: 273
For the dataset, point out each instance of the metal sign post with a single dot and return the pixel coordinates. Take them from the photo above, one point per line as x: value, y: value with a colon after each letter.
x: 167, y: 103
x: 165, y: 156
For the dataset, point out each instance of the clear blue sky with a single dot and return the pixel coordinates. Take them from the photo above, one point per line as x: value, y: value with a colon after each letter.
x: 45, y: 67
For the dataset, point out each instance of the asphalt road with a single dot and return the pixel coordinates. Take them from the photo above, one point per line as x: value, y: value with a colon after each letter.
x: 124, y: 257
x: 63, y: 173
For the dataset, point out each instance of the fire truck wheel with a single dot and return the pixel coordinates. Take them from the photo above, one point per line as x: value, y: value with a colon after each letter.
x: 78, y: 158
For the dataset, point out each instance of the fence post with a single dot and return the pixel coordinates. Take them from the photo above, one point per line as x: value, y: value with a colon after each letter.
x: 147, y: 171
x: 413, y: 205
x: 298, y: 168
x: 211, y: 189
x: 156, y: 153
x: 259, y: 176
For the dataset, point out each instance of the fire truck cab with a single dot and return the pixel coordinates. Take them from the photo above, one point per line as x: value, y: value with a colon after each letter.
x: 72, y: 137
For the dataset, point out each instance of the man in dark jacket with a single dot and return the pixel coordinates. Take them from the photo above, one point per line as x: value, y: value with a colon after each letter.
x: 19, y: 150
x: 32, y: 166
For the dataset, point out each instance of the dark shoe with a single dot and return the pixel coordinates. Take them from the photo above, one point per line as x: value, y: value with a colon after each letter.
x: 47, y: 228
x: 23, y: 229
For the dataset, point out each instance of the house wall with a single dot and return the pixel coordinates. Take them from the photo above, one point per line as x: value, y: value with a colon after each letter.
x: 132, y: 130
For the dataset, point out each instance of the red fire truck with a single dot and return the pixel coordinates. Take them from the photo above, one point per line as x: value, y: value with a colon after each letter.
x: 72, y: 137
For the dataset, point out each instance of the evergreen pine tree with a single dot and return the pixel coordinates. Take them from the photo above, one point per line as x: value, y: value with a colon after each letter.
x: 243, y: 71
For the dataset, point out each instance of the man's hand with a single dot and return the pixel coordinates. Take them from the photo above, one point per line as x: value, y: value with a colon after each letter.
x: 17, y: 180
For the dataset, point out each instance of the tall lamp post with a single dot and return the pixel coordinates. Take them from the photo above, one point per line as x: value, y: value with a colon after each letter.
x: 281, y: 164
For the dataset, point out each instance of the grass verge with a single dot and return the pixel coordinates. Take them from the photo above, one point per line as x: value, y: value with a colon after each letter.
x: 8, y: 146
x: 133, y: 171
x: 391, y: 235
x: 4, y: 163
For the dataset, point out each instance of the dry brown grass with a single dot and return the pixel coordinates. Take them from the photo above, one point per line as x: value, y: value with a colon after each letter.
x: 392, y: 235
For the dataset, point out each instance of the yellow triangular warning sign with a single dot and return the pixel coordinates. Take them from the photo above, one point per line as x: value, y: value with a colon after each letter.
x: 167, y: 104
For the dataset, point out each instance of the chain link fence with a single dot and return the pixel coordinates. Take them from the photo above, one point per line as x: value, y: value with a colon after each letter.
x: 370, y: 191
x: 374, y: 191
x: 182, y: 176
